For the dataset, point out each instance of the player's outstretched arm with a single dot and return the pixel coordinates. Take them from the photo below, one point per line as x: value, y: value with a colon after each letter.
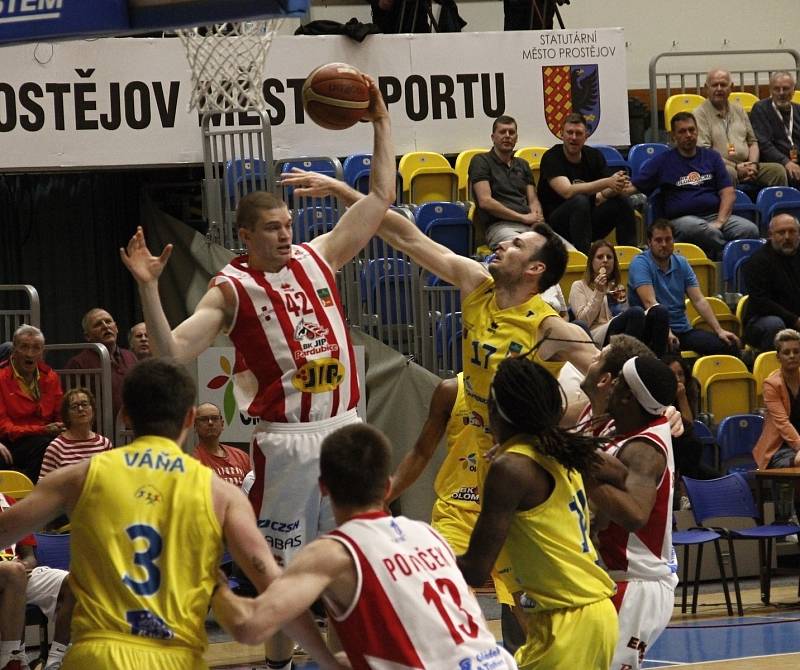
x: 505, y: 486
x: 55, y: 494
x: 250, y: 552
x: 415, y: 461
x: 195, y: 334
x: 312, y: 571
x: 359, y: 223
x: 630, y: 507
x: 565, y: 341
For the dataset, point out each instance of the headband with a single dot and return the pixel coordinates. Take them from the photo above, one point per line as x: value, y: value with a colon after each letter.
x: 639, y: 390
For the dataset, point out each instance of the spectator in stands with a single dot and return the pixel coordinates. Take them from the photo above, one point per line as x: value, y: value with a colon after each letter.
x: 660, y: 277
x: 138, y: 342
x: 696, y: 191
x: 30, y: 396
x: 592, y: 297
x: 78, y: 441
x: 772, y: 277
x: 779, y: 444
x: 688, y: 450
x: 776, y: 122
x: 505, y: 195
x: 583, y: 199
x: 23, y: 582
x: 726, y: 128
x: 229, y: 463
x: 99, y: 326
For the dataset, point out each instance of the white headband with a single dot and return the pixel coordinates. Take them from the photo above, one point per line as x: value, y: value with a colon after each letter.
x: 639, y: 390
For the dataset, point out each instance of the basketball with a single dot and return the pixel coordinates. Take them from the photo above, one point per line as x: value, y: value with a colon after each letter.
x: 335, y: 96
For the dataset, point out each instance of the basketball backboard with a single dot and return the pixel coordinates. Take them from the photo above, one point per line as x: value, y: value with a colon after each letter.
x: 35, y: 20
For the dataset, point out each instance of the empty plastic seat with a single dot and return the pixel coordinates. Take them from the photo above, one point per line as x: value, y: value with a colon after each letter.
x: 733, y: 256
x: 641, y: 153
x: 726, y: 318
x: 744, y: 206
x: 613, y: 157
x: 243, y: 176
x: 736, y: 437
x: 685, y: 102
x: 746, y: 100
x: 726, y: 387
x: 773, y: 200
x: 310, y: 222
x: 576, y: 266
x: 765, y: 364
x: 704, y: 268
x: 462, y: 171
x: 427, y: 177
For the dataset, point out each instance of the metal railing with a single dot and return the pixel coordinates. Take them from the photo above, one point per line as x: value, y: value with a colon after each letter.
x: 692, y: 81
x: 12, y: 318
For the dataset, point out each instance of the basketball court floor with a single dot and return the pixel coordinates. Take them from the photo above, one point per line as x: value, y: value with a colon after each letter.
x: 766, y: 637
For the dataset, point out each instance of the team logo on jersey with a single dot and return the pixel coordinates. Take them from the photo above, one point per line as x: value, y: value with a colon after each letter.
x: 313, y: 340
x: 148, y: 494
x: 145, y: 623
x: 325, y: 295
x: 571, y: 88
x: 514, y: 349
x: 469, y: 462
x: 319, y: 376
x: 475, y: 419
x: 307, y: 330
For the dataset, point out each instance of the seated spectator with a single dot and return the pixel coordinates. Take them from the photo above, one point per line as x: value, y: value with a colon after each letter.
x: 688, y: 450
x: 776, y: 122
x: 505, y: 197
x: 696, y: 191
x: 23, y: 583
x: 779, y: 444
x: 78, y: 441
x: 138, y: 342
x: 726, y: 128
x: 592, y: 297
x: 99, y: 326
x: 660, y: 277
x: 230, y: 463
x: 772, y: 276
x: 583, y: 199
x: 30, y: 397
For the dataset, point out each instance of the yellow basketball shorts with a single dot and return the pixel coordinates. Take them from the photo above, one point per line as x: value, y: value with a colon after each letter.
x: 579, y: 637
x: 111, y: 654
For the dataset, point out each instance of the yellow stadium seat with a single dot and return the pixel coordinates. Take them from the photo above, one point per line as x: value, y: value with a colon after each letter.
x: 15, y: 484
x: 746, y: 100
x: 796, y: 97
x: 625, y: 254
x: 704, y: 268
x: 726, y: 387
x: 727, y: 319
x: 534, y: 157
x: 765, y: 364
x: 576, y: 266
x: 462, y: 170
x: 740, y: 307
x: 685, y: 102
x: 427, y: 177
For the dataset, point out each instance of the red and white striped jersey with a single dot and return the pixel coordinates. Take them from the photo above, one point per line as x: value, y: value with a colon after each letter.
x: 412, y: 608
x: 646, y: 553
x: 586, y: 423
x: 294, y: 358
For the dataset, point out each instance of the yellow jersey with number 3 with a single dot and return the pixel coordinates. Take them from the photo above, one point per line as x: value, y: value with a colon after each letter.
x: 490, y: 335
x: 146, y: 546
x: 552, y: 556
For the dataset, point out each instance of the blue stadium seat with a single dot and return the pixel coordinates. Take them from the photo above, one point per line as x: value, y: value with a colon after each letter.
x: 330, y: 167
x: 774, y: 199
x: 613, y: 157
x: 385, y: 284
x: 356, y: 169
x: 448, y: 342
x: 710, y: 448
x: 427, y: 212
x: 310, y: 222
x: 745, y: 207
x: 243, y: 176
x: 736, y: 436
x: 640, y: 153
x: 734, y: 253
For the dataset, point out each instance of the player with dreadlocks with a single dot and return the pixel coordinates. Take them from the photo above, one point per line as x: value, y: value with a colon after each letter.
x: 534, y: 503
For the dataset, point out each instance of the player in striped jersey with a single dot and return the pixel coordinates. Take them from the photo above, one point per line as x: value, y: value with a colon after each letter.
x: 295, y: 368
x: 391, y: 585
x: 636, y: 546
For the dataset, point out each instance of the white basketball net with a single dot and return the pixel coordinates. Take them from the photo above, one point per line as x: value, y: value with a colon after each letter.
x: 227, y: 63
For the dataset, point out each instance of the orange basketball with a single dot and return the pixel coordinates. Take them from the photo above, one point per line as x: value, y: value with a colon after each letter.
x: 335, y: 96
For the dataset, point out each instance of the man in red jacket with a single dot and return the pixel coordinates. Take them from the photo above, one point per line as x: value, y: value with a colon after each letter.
x: 30, y: 398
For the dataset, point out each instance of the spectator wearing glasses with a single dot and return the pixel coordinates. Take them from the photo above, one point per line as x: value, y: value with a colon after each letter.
x: 78, y: 441
x: 229, y: 463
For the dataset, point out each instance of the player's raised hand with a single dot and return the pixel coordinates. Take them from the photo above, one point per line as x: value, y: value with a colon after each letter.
x: 310, y: 184
x: 377, y: 107
x: 142, y: 264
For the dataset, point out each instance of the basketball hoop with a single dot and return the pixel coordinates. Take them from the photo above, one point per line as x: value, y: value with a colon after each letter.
x: 227, y: 63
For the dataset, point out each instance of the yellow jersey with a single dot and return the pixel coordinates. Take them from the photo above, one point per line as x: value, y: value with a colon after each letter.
x: 490, y: 335
x: 552, y: 556
x: 146, y: 545
x: 457, y: 480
